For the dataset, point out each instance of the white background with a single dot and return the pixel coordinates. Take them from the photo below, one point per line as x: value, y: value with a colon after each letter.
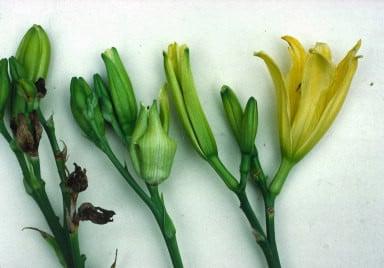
x: 330, y: 213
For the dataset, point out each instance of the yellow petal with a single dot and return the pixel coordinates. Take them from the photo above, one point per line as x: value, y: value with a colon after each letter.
x: 339, y: 87
x: 324, y: 50
x: 282, y: 102
x: 295, y: 73
x: 317, y: 77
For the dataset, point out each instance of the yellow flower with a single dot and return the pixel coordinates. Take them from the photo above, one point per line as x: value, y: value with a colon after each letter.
x: 310, y: 95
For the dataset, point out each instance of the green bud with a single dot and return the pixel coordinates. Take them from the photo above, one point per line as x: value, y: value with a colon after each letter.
x: 121, y: 91
x: 248, y: 128
x: 164, y: 108
x: 106, y: 105
x: 4, y: 86
x: 34, y: 53
x: 155, y: 150
x: 86, y: 111
x: 181, y: 84
x: 233, y: 110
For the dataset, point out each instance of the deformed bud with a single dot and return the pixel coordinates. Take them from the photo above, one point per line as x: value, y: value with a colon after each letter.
x: 27, y: 132
x: 77, y: 180
x: 85, y: 109
x: 152, y: 150
x: 97, y: 215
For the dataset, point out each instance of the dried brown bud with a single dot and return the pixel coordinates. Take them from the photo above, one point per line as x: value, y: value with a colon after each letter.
x: 97, y: 215
x: 27, y: 132
x: 41, y: 89
x: 77, y: 181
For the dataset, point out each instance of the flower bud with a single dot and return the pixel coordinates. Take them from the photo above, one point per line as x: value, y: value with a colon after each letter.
x: 121, y: 91
x: 106, y: 105
x: 4, y: 86
x: 248, y: 127
x: 16, y: 69
x: 233, y: 110
x: 85, y: 110
x: 180, y: 80
x: 34, y: 53
x: 155, y: 150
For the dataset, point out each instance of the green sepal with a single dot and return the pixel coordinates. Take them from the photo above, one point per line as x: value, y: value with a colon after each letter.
x: 140, y: 128
x: 164, y: 112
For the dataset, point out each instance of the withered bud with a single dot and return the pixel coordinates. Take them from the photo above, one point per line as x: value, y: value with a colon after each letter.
x: 77, y: 180
x: 41, y: 89
x: 97, y: 215
x: 27, y: 132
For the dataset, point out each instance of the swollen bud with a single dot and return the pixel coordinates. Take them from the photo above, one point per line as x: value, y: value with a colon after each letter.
x: 34, y: 53
x: 248, y: 127
x: 121, y: 91
x: 233, y: 110
x: 85, y: 110
x: 154, y: 150
x: 4, y: 86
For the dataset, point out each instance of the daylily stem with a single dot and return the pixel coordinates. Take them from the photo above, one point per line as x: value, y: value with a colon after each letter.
x: 154, y: 203
x: 73, y: 241
x: 239, y: 190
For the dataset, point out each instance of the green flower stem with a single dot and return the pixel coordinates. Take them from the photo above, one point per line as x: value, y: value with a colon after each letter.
x: 42, y: 200
x: 258, y: 232
x: 60, y: 158
x: 166, y: 226
x: 269, y: 204
x: 155, y: 204
x: 281, y: 174
x: 79, y: 259
x: 239, y: 190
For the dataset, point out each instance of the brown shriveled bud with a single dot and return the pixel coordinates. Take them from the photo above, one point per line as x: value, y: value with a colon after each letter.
x: 41, y: 89
x: 97, y: 215
x: 77, y: 180
x: 27, y: 132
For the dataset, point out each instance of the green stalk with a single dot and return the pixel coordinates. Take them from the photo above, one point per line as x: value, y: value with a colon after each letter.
x: 167, y: 228
x: 73, y: 241
x: 155, y: 203
x: 239, y: 190
x: 269, y: 204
